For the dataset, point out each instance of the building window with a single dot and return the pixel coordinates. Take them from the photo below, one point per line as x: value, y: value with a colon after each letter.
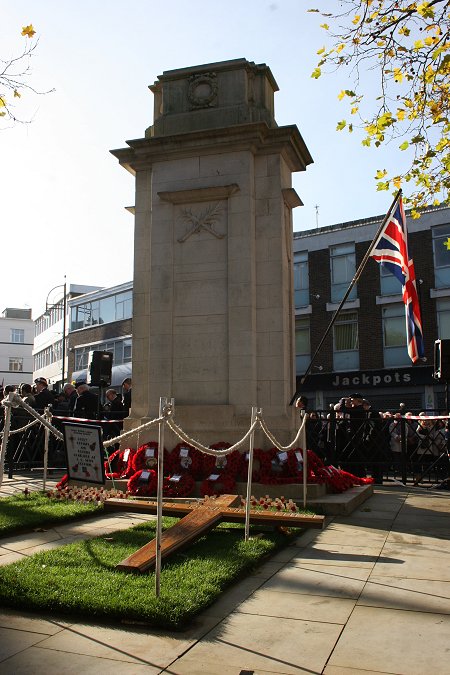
x: 394, y: 336
x: 389, y: 284
x: 441, y: 250
x: 301, y: 279
x: 443, y: 318
x: 121, y: 350
x: 345, y: 342
x: 302, y: 344
x: 105, y: 310
x: 343, y: 262
x: 16, y: 364
x: 18, y: 336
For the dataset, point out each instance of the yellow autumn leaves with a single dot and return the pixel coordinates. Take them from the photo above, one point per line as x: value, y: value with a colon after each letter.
x: 29, y: 32
x: 407, y: 45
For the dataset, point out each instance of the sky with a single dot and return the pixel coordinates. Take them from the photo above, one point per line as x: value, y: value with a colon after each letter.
x: 63, y: 195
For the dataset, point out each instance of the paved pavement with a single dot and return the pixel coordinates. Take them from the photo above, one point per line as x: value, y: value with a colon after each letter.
x: 369, y: 594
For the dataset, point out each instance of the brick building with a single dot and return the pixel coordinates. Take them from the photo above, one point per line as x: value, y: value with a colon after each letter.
x: 366, y: 350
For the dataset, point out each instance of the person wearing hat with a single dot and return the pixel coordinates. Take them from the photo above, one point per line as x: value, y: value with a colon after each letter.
x: 43, y: 396
x: 126, y: 394
x: 87, y: 403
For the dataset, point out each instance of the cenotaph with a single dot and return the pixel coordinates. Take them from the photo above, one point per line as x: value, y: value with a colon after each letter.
x: 213, y: 312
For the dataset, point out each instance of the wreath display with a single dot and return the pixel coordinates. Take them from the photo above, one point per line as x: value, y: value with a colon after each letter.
x: 143, y: 482
x: 279, y: 472
x: 178, y: 485
x: 228, y: 464
x: 185, y: 458
x: 338, y: 480
x: 120, y: 464
x: 209, y: 461
x: 146, y: 457
x: 261, y: 465
x: 218, y: 484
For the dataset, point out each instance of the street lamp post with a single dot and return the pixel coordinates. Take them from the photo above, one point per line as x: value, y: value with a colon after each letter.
x: 48, y: 307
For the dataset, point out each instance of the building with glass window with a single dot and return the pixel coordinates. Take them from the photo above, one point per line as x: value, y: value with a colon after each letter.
x: 366, y: 350
x: 101, y: 321
x: 16, y: 346
x: 49, y: 329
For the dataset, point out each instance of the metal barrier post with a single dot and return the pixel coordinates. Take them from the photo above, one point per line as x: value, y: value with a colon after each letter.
x: 159, y: 495
x: 5, y: 437
x: 48, y: 417
x: 250, y: 473
x: 404, y: 453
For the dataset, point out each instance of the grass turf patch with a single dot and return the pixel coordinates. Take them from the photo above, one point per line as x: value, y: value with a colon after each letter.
x: 25, y: 512
x: 81, y: 578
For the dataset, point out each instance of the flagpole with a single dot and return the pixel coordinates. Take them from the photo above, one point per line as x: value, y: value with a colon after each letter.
x: 347, y: 292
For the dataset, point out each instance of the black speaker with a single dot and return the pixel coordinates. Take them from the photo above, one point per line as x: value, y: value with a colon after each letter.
x: 100, y: 368
x: 442, y: 359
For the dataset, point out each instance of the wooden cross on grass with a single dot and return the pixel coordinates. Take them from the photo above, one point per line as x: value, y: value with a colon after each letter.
x: 196, y: 519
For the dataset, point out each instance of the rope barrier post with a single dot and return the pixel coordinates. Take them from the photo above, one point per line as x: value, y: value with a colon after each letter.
x: 48, y: 417
x: 7, y: 425
x: 305, y: 456
x: 159, y: 494
x: 250, y: 474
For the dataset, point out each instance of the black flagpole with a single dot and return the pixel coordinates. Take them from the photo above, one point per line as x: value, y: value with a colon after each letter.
x: 347, y: 293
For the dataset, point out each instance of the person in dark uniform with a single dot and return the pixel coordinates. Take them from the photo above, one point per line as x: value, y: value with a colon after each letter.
x: 43, y: 396
x: 126, y: 395
x: 86, y: 404
x: 113, y: 410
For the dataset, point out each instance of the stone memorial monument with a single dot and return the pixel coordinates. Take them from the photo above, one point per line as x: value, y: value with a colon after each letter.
x: 213, y: 314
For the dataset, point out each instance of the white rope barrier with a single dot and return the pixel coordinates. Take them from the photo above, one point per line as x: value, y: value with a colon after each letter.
x: 133, y: 432
x: 272, y: 439
x: 222, y: 452
x: 18, y: 431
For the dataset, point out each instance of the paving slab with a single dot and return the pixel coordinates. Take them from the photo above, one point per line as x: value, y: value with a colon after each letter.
x: 416, y: 595
x: 14, y: 641
x: 401, y: 642
x: 426, y: 543
x: 339, y: 554
x: 339, y: 670
x: 34, y: 661
x: 413, y: 565
x: 266, y: 602
x: 45, y: 624
x: 323, y: 580
x: 258, y: 643
x: 144, y: 647
x: 23, y: 542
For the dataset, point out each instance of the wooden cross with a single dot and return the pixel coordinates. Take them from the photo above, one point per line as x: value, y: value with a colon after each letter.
x: 196, y: 519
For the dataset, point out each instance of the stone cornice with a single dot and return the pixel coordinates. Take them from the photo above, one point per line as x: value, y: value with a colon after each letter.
x: 256, y: 137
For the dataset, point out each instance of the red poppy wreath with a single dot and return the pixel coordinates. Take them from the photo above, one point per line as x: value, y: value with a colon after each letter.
x: 146, y: 456
x: 218, y: 484
x: 143, y: 482
x: 179, y: 485
x: 184, y: 458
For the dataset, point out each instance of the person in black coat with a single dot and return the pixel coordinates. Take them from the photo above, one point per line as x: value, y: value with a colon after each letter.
x: 86, y: 404
x: 44, y: 396
x: 126, y: 394
x: 113, y: 410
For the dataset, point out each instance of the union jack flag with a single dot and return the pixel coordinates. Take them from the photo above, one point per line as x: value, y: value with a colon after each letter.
x: 391, y: 250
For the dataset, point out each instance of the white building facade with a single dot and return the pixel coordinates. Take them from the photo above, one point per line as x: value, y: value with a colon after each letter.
x: 16, y: 346
x: 49, y: 329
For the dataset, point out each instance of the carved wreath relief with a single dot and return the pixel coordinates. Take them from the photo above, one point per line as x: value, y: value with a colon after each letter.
x: 202, y: 91
x: 203, y: 220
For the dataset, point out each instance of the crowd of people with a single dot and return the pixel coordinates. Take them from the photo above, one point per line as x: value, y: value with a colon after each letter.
x: 75, y: 400
x: 364, y: 441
